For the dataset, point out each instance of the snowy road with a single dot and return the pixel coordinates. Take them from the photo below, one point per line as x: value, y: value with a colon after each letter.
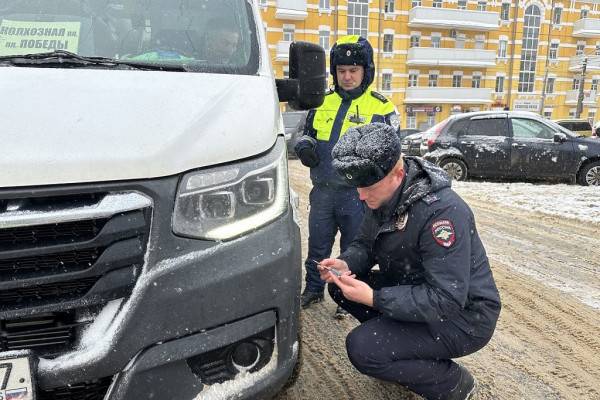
x: 542, y: 241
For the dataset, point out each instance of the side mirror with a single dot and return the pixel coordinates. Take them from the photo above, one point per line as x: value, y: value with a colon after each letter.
x: 306, y: 87
x: 560, y: 137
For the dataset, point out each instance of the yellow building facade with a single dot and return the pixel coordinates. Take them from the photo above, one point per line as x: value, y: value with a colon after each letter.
x: 439, y: 57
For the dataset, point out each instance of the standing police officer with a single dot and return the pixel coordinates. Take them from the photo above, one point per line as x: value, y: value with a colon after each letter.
x: 434, y: 296
x: 333, y: 203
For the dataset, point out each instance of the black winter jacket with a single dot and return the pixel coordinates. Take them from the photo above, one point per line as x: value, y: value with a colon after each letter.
x: 430, y: 256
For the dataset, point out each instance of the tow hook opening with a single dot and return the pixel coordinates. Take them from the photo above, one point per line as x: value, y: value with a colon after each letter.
x: 247, y: 355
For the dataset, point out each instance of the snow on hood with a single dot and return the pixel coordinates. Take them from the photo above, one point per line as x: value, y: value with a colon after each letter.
x: 90, y: 125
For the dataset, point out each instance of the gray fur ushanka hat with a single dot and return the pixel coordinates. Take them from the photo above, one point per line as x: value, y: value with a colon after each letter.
x: 365, y: 154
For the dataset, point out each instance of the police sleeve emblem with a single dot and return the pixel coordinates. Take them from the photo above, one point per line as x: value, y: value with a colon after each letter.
x: 443, y: 232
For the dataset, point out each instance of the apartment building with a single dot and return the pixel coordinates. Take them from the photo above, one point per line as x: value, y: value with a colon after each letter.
x: 435, y: 58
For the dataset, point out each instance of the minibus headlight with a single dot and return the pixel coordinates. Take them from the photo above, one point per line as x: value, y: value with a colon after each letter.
x: 226, y: 202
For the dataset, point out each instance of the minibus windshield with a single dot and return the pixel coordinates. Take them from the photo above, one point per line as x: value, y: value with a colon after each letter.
x: 217, y: 36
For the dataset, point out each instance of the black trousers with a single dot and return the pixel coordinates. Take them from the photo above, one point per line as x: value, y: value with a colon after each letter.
x: 415, y: 355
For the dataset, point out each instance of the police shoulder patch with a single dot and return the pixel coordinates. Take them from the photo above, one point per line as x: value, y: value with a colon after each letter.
x: 379, y: 96
x: 443, y: 232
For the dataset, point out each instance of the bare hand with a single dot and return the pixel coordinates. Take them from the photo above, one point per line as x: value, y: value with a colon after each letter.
x: 354, y: 290
x: 335, y: 264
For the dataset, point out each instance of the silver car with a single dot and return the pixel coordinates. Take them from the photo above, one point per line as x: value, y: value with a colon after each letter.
x: 293, y: 122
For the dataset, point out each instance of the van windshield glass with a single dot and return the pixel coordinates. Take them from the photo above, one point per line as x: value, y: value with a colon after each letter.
x: 199, y: 35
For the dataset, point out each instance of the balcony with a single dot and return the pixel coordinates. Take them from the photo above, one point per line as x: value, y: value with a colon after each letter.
x: 453, y: 18
x: 589, y: 97
x: 451, y: 57
x: 587, y: 27
x: 283, y: 50
x: 291, y: 10
x: 433, y: 95
x: 576, y: 63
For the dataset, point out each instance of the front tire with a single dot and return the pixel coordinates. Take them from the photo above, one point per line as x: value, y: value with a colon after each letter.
x: 589, y: 175
x: 455, y: 168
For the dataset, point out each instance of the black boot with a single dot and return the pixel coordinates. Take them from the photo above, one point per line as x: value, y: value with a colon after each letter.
x: 465, y: 389
x: 309, y: 298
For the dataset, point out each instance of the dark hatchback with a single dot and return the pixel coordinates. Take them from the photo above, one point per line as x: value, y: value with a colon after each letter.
x: 513, y: 145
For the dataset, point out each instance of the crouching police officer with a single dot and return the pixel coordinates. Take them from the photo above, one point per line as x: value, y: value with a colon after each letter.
x: 333, y: 203
x: 434, y: 296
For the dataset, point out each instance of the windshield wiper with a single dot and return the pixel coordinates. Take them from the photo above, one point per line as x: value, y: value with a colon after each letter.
x: 67, y: 58
x: 58, y: 57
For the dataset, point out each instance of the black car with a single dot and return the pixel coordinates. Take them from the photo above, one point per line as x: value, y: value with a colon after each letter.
x: 293, y: 122
x: 411, y: 144
x: 403, y: 133
x: 515, y: 145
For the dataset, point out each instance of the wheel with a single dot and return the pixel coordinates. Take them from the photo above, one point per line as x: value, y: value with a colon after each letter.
x: 589, y: 175
x: 455, y: 168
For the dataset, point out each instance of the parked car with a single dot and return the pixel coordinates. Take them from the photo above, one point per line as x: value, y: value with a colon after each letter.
x: 293, y: 122
x: 580, y: 127
x: 403, y: 133
x: 411, y: 144
x: 515, y: 145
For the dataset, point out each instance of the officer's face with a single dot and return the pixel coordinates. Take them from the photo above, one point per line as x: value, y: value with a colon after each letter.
x: 380, y: 193
x: 349, y: 76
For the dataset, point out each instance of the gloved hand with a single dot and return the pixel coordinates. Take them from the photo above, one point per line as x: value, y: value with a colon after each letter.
x: 306, y: 151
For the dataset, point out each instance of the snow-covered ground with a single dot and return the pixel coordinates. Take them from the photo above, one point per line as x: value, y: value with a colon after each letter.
x: 570, y: 201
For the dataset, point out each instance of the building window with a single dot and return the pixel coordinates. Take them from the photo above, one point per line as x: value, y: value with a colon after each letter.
x: 572, y: 113
x: 430, y: 119
x: 288, y: 34
x: 389, y: 6
x: 580, y: 48
x: 433, y: 80
x: 456, y: 80
x: 557, y: 16
x: 531, y: 33
x: 499, y: 84
x: 594, y: 84
x: 286, y: 72
x: 414, y: 40
x: 436, y: 42
x: 481, y: 5
x: 597, y: 52
x: 462, y: 4
x: 476, y: 81
x: 413, y: 80
x: 388, y: 43
x: 479, y: 42
x: 553, y: 51
x: 324, y: 4
x: 324, y: 39
x: 550, y: 85
x: 575, y: 85
x: 411, y: 121
x: 437, y: 3
x: 415, y: 3
x: 358, y: 17
x: 584, y: 13
x: 386, y: 81
x: 591, y: 117
x: 502, y: 44
x: 548, y: 114
x: 460, y: 41
x: 505, y: 12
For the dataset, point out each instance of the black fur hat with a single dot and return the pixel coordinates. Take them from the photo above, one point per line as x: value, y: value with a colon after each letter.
x: 366, y: 154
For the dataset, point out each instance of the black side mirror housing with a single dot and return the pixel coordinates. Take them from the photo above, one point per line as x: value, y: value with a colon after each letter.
x: 560, y: 137
x: 305, y: 89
